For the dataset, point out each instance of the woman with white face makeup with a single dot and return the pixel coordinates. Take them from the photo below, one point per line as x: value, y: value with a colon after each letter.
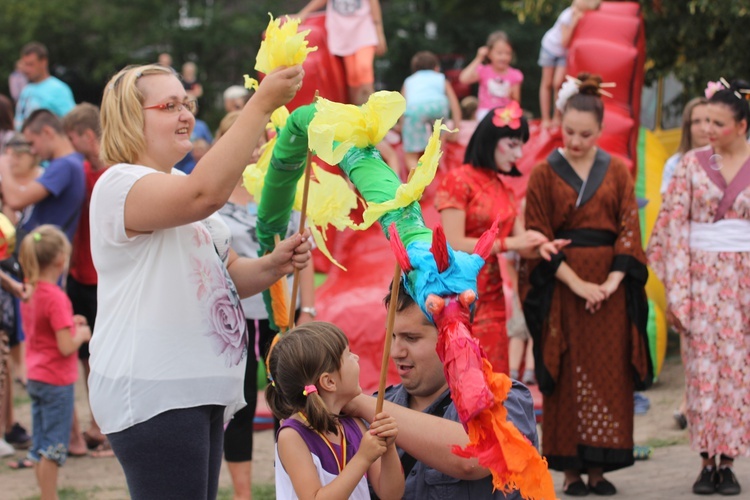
x: 469, y: 200
x: 168, y: 363
x: 586, y: 308
x: 700, y: 249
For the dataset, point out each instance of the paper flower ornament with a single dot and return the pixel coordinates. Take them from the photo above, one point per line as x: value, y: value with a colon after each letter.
x: 413, y: 189
x: 283, y: 45
x: 338, y: 127
x: 509, y: 116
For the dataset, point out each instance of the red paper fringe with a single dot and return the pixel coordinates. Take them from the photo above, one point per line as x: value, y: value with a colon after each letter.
x: 499, y: 446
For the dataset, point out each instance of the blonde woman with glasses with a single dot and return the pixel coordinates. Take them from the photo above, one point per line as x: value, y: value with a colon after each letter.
x: 168, y: 360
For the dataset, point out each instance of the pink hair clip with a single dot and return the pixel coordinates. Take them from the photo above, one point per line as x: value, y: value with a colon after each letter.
x: 712, y: 88
x: 509, y: 116
x: 309, y: 389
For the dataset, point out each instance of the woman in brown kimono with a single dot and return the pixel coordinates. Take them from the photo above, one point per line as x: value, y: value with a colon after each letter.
x: 586, y: 308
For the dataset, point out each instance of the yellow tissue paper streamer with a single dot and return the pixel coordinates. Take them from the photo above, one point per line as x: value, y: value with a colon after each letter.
x: 330, y: 200
x: 412, y: 190
x: 352, y: 126
x: 282, y: 46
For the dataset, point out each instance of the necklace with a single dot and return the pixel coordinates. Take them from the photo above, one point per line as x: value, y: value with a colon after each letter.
x: 340, y: 462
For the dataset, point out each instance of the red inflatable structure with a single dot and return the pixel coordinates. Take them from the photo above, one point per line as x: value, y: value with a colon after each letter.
x: 609, y: 42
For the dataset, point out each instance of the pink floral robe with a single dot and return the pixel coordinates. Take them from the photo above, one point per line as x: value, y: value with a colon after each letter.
x: 709, y: 293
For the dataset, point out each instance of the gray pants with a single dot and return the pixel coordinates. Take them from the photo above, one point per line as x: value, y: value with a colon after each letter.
x: 174, y: 455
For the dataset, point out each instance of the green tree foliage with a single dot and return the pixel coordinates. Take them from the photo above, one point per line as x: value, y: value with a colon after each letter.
x: 456, y: 28
x: 90, y: 40
x: 697, y: 40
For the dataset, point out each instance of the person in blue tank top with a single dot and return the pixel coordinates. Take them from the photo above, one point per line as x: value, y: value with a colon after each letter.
x: 429, y: 96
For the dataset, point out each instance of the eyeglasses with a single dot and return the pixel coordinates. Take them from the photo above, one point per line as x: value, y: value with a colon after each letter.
x: 176, y: 107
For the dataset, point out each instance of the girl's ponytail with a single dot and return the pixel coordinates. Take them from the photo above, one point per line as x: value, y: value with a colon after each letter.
x: 296, y: 363
x: 39, y: 249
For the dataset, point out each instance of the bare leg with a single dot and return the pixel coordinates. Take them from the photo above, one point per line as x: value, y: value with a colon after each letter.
x: 359, y: 95
x: 545, y: 95
x: 77, y: 445
x: 7, y: 405
x: 411, y: 160
x: 242, y: 473
x: 515, y: 354
x: 530, y: 355
x: 47, y: 477
x: 571, y: 476
x: 94, y: 431
x: 557, y: 81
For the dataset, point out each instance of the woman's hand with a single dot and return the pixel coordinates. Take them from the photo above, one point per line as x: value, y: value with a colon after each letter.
x: 675, y: 322
x: 292, y: 253
x: 612, y: 282
x: 16, y: 288
x: 384, y: 426
x: 304, y: 318
x: 550, y: 248
x: 279, y: 87
x: 590, y: 292
x: 527, y: 241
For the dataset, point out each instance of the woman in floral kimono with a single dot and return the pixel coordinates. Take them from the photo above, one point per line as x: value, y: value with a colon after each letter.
x: 586, y: 308
x: 700, y: 249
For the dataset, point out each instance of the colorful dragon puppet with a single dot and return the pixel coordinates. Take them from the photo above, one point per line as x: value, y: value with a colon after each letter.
x: 442, y: 281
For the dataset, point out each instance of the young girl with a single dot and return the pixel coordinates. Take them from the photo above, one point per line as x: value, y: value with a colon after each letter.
x: 314, y: 375
x: 499, y: 83
x: 53, y: 338
x: 553, y: 57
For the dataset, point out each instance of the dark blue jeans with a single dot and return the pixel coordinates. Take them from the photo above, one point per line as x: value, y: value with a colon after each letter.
x: 174, y: 455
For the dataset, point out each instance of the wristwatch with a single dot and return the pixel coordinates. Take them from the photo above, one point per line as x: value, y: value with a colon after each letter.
x: 309, y: 310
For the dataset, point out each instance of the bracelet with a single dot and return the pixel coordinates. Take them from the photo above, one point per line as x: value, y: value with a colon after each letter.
x: 503, y: 245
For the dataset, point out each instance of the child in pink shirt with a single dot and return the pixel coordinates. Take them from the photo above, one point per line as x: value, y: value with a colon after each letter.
x: 53, y: 336
x: 499, y: 83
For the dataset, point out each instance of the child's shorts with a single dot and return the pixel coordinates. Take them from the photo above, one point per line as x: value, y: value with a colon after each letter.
x: 51, y: 419
x: 417, y: 124
x: 547, y: 59
x: 516, y: 324
x: 360, y: 67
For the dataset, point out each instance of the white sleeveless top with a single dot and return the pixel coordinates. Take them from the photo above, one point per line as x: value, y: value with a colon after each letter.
x: 170, y: 332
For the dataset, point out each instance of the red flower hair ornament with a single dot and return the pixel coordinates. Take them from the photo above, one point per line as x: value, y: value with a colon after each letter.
x: 509, y: 116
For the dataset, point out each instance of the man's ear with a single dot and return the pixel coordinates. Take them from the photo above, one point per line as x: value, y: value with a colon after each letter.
x: 327, y: 382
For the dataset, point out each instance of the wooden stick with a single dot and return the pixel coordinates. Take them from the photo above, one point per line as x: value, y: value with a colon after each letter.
x: 392, y: 305
x: 295, y: 281
x: 303, y: 216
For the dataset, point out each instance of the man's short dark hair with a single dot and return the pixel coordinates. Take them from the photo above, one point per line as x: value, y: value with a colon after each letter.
x: 35, y: 48
x: 403, y: 301
x: 43, y: 118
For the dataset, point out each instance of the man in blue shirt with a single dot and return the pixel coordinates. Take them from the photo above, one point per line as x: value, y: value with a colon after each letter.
x: 43, y: 91
x: 428, y: 424
x: 58, y: 194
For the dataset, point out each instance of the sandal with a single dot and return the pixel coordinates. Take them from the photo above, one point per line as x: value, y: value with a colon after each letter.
x: 104, y: 450
x: 576, y: 489
x: 603, y: 488
x: 642, y: 452
x: 93, y: 442
x: 21, y: 463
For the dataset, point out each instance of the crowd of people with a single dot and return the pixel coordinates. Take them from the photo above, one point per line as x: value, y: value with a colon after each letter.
x: 138, y: 257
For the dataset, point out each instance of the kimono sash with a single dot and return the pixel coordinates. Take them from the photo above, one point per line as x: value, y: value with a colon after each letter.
x: 726, y: 235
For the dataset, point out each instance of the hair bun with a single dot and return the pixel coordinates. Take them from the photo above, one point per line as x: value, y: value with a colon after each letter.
x: 740, y: 86
x: 589, y: 84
